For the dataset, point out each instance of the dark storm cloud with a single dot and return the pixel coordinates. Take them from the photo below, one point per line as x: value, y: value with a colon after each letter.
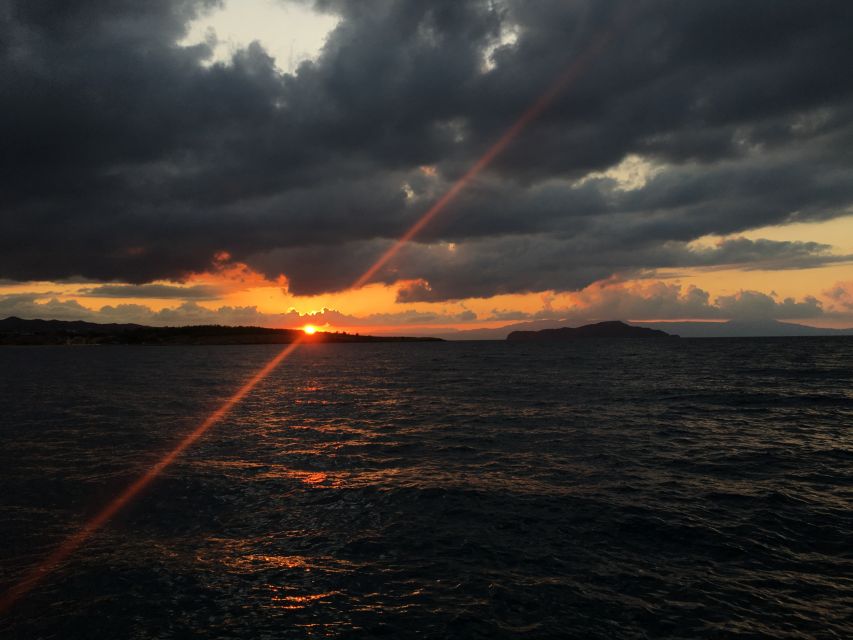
x: 539, y: 263
x: 126, y: 158
x: 529, y: 262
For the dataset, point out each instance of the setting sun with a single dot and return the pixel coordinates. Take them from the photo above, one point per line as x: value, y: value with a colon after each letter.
x: 543, y: 263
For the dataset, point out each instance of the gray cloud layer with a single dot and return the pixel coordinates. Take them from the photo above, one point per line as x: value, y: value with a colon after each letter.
x: 162, y: 291
x: 127, y: 159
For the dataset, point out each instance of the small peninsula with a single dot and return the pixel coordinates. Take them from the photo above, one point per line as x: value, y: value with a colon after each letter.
x: 609, y: 329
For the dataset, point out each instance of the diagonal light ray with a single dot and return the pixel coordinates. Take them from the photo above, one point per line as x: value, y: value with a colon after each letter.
x: 77, y: 539
x: 569, y: 75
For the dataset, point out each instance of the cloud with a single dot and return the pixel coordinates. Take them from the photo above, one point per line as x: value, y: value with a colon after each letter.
x: 39, y: 305
x: 765, y: 254
x: 638, y: 300
x: 543, y: 262
x: 668, y: 301
x: 841, y: 295
x: 129, y: 158
x: 33, y: 305
x: 754, y: 305
x: 164, y: 291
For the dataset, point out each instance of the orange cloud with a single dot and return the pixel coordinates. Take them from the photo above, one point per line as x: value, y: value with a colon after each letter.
x: 841, y: 294
x: 232, y: 276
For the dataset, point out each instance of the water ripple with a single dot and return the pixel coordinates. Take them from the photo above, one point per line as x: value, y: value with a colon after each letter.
x: 612, y: 490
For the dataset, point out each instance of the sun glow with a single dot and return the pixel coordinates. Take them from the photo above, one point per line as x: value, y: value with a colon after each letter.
x: 309, y: 329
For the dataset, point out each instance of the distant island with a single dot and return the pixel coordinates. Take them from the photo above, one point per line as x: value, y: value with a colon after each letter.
x: 684, y: 329
x: 17, y: 331
x: 610, y: 329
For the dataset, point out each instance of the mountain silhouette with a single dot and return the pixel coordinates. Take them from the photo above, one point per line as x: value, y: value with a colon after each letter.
x: 16, y: 331
x: 609, y: 329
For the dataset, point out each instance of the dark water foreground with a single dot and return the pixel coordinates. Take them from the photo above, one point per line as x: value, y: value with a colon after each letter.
x: 682, y: 488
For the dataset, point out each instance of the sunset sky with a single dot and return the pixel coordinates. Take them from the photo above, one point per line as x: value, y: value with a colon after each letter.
x: 244, y: 162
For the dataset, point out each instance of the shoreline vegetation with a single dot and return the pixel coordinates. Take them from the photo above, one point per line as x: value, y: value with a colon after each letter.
x: 18, y: 332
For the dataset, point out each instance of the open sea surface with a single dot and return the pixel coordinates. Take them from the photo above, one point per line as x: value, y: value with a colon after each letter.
x: 605, y: 489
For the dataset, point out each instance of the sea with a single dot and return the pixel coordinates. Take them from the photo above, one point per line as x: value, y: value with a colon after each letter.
x: 674, y: 488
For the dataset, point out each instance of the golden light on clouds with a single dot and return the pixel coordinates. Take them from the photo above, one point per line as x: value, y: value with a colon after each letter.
x: 375, y: 307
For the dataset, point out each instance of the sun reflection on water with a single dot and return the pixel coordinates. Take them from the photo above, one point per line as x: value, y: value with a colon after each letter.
x: 296, y: 601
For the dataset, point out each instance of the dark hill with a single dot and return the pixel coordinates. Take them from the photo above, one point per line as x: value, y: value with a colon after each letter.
x: 610, y: 329
x: 15, y: 331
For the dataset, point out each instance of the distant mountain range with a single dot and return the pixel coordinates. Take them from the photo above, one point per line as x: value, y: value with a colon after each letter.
x: 611, y: 329
x: 729, y: 329
x: 16, y: 331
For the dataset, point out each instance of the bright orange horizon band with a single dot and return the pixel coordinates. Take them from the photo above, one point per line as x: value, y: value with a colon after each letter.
x: 76, y: 540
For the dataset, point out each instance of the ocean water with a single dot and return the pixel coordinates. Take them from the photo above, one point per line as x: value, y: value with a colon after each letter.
x: 609, y: 489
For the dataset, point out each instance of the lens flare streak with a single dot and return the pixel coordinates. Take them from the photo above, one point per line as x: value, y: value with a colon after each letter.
x: 534, y: 111
x: 76, y: 540
x: 73, y: 542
